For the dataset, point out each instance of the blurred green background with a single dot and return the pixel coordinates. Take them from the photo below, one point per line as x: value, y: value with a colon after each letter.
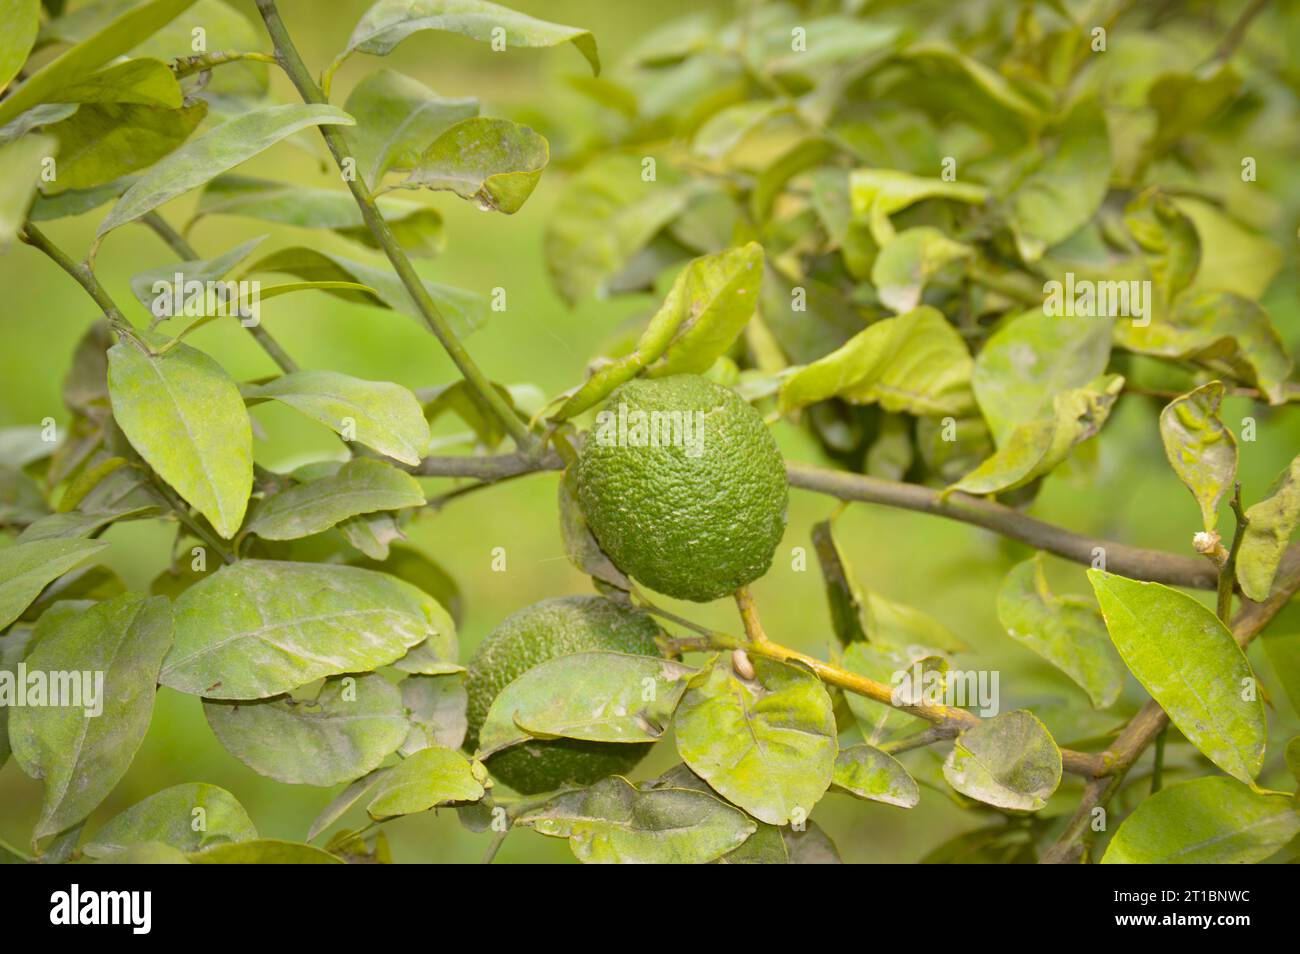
x: 1125, y: 492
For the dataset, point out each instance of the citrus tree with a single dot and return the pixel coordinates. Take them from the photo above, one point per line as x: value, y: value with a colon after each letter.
x: 941, y: 241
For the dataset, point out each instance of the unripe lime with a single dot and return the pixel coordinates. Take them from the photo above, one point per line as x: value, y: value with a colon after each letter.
x: 555, y: 627
x: 683, y: 487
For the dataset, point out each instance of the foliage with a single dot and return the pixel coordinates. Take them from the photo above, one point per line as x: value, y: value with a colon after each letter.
x: 941, y: 245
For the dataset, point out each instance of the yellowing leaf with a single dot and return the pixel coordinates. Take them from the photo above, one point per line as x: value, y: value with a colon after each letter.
x: 1067, y: 631
x: 768, y: 746
x: 1272, y: 522
x: 1035, y: 448
x: 492, y: 162
x: 1010, y: 761
x: 915, y: 363
x: 1202, y: 452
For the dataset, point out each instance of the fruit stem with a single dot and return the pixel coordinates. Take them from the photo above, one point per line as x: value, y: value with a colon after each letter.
x: 749, y: 616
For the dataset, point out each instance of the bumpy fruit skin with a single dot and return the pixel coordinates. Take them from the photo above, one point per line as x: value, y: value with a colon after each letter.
x: 696, y: 526
x: 555, y: 627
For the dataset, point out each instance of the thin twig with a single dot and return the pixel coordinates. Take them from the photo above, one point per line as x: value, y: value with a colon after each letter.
x: 482, y: 389
x: 1232, y: 39
x: 202, y: 62
x: 1134, y: 562
x: 84, y: 277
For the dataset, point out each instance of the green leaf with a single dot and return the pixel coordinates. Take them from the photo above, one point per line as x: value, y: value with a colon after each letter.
x: 614, y: 823
x: 868, y: 773
x: 13, y: 649
x: 1281, y: 641
x: 389, y: 22
x: 464, y: 310
x: 1204, y: 821
x: 949, y: 84
x: 1233, y: 258
x: 709, y: 305
x: 385, y: 417
x: 1065, y: 187
x: 149, y: 285
x: 1202, y: 452
x: 1168, y: 241
x: 101, y: 143
x: 145, y: 853
x: 1067, y: 631
x: 21, y: 164
x: 916, y: 363
x: 417, y: 228
x: 1186, y: 658
x: 908, y: 261
x: 145, y: 82
x: 360, y: 486
x: 22, y: 19
x: 431, y: 777
x: 1010, y: 761
x: 606, y: 215
x: 262, y: 851
x: 116, y: 38
x: 26, y: 568
x: 257, y: 628
x: 812, y: 846
x: 347, y: 730
x: 596, y: 696
x: 185, y: 417
x: 494, y: 163
x: 767, y: 746
x: 1030, y: 359
x: 437, y: 708
x: 118, y: 645
x: 1036, y: 448
x: 21, y: 499
x: 876, y: 194
x: 1221, y: 330
x: 1185, y: 101
x: 420, y: 570
x: 1272, y: 522
x: 728, y: 127
x: 187, y: 817
x: 710, y: 302
x: 397, y: 117
x: 215, y: 152
x: 1000, y: 844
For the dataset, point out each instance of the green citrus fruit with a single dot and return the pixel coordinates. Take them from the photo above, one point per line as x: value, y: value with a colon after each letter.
x: 683, y: 487
x: 555, y: 627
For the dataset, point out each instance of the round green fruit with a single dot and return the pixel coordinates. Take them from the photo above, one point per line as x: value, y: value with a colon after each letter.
x: 683, y: 487
x: 545, y: 630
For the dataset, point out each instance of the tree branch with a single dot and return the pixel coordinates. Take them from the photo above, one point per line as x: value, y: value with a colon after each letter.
x: 482, y: 389
x: 1134, y: 562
